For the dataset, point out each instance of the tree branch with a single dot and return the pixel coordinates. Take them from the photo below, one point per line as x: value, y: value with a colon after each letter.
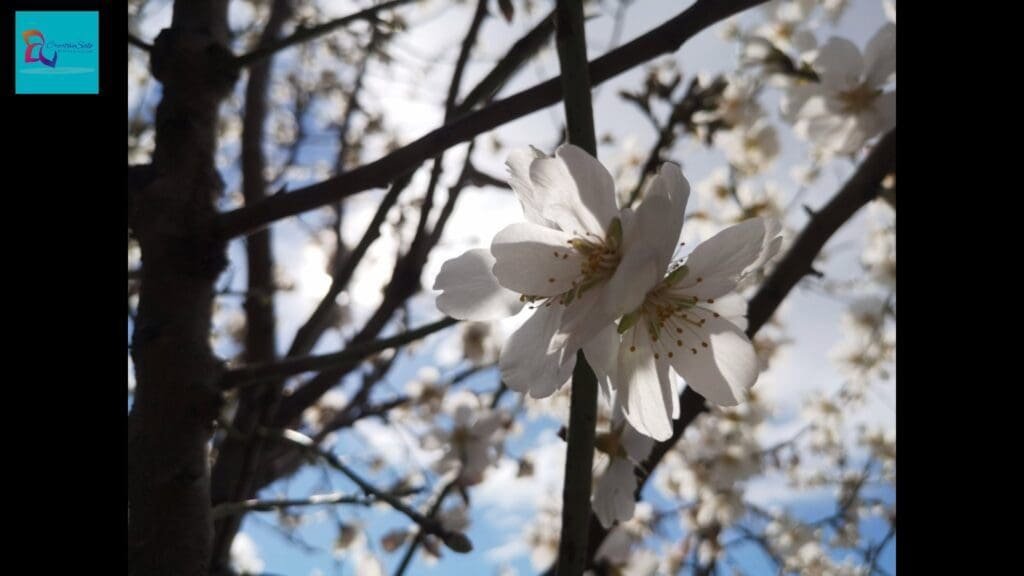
x: 305, y: 34
x: 257, y: 373
x: 139, y: 43
x: 663, y: 39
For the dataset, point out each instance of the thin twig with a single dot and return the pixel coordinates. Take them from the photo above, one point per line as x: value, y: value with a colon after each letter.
x: 139, y: 43
x: 420, y: 534
x: 454, y: 540
x: 256, y: 505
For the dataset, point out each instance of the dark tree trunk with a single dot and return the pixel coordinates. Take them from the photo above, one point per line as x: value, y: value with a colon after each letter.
x: 176, y: 402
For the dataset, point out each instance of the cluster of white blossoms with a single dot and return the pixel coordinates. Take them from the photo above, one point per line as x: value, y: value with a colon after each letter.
x: 836, y: 96
x: 801, y: 551
x: 604, y: 279
x: 471, y: 443
x: 709, y: 470
x: 849, y: 104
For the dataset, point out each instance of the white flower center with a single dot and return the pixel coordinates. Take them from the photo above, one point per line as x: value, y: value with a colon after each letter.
x: 858, y: 98
x: 674, y: 321
x: 599, y: 259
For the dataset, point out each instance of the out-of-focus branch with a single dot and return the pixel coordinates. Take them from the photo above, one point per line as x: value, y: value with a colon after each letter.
x: 306, y: 34
x: 250, y: 375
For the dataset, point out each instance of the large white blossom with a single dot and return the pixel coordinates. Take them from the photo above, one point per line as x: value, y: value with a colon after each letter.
x: 578, y: 260
x: 693, y: 323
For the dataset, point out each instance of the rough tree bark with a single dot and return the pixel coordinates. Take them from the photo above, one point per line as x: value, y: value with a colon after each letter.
x: 176, y: 400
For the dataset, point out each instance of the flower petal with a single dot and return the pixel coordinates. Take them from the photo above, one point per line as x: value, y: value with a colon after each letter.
x: 531, y: 359
x: 613, y: 497
x: 579, y: 320
x: 470, y: 290
x: 717, y: 264
x: 723, y: 371
x: 534, y: 260
x: 880, y: 56
x: 518, y: 163
x: 637, y: 274
x: 601, y: 352
x: 650, y: 237
x: 884, y: 112
x: 839, y: 64
x: 732, y: 307
x: 659, y: 219
x: 577, y: 192
x: 637, y: 445
x: 640, y: 388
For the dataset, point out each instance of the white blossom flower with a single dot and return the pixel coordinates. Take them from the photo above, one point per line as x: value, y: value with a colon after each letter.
x: 785, y: 17
x: 750, y: 148
x: 471, y: 441
x: 330, y: 404
x: 738, y: 104
x: 480, y: 343
x: 575, y: 259
x: 849, y: 105
x: 692, y: 323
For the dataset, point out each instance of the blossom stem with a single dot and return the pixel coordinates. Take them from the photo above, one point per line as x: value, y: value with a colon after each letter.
x: 579, y: 460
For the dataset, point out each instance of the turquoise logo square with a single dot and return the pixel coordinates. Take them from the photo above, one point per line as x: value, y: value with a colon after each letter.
x: 56, y: 53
